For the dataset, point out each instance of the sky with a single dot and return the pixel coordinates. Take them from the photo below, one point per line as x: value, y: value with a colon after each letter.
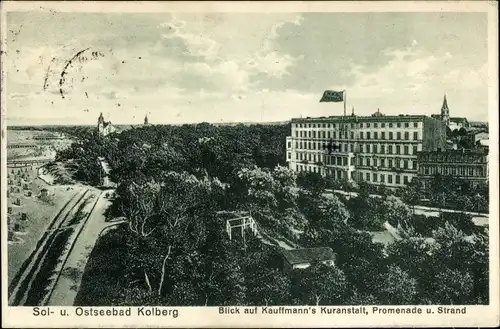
x: 241, y: 67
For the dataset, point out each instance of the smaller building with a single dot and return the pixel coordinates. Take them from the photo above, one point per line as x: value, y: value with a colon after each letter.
x: 469, y: 165
x: 303, y: 258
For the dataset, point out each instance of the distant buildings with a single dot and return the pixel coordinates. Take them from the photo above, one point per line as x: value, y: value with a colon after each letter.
x: 378, y: 149
x: 454, y: 123
x: 146, y: 121
x: 469, y: 165
x: 104, y: 128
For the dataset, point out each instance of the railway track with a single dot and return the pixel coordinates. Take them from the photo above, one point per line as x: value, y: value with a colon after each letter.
x: 26, y: 289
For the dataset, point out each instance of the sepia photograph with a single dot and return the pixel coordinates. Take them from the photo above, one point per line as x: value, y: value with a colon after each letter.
x: 295, y: 162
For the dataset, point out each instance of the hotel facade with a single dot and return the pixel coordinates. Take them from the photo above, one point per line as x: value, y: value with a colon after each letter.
x: 377, y: 149
x: 467, y: 165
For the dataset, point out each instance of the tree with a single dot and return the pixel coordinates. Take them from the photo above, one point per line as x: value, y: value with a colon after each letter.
x: 320, y: 284
x: 397, y: 287
x: 312, y: 182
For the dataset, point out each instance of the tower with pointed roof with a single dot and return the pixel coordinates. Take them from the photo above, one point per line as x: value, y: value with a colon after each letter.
x: 445, y: 112
x: 104, y: 128
x: 146, y: 120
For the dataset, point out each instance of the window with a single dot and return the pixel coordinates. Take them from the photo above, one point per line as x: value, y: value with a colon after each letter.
x: 406, y: 151
x: 309, y: 156
x: 352, y: 135
x: 334, y: 125
x: 398, y: 136
x: 314, y: 125
x: 375, y: 135
x: 382, y: 163
x: 375, y: 148
x: 352, y: 147
x: 296, y: 134
x: 389, y: 179
x: 368, y: 162
x: 334, y: 134
x: 344, y: 161
x: 309, y: 146
x: 471, y: 171
x: 415, y: 149
x: 323, y: 134
x: 375, y: 162
x: 398, y: 149
x: 390, y: 124
x: 390, y: 135
x: 289, y: 144
x: 407, y: 124
x: 296, y: 145
x: 368, y: 148
x: 368, y: 125
x: 382, y: 124
x: 426, y: 170
x: 405, y: 179
x: 361, y: 135
x: 407, y: 135
x: 389, y: 149
x: 375, y: 125
x: 382, y: 148
x: 415, y: 135
x: 405, y: 164
x: 367, y: 177
x: 361, y: 125
x: 309, y: 134
x: 361, y: 148
x: 383, y: 135
x: 390, y: 163
x: 398, y: 179
x: 329, y: 135
x: 398, y: 124
x: 374, y: 177
x: 382, y: 178
x: 289, y: 156
x: 415, y: 124
x: 368, y: 135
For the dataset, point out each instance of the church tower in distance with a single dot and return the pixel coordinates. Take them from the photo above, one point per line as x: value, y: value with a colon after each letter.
x: 445, y: 112
x: 146, y: 122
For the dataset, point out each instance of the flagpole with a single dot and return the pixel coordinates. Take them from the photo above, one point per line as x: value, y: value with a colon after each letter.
x: 345, y: 98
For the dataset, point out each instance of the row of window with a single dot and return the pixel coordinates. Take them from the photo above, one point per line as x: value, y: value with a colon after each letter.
x: 454, y: 158
x: 454, y: 171
x: 327, y: 159
x: 381, y: 178
x: 344, y: 134
x: 387, y: 163
x: 362, y: 148
x: 353, y: 125
x: 340, y: 174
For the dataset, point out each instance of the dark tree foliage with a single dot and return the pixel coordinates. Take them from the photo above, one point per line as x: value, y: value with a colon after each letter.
x: 173, y: 248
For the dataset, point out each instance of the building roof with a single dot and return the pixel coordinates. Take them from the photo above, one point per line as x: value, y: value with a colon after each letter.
x: 459, y: 119
x: 445, y: 104
x: 308, y: 255
x: 355, y: 118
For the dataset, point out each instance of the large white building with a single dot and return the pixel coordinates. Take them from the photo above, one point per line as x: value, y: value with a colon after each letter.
x: 377, y: 149
x: 104, y: 128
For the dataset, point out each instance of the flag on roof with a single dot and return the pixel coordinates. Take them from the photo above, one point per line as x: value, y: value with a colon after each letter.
x: 332, y: 96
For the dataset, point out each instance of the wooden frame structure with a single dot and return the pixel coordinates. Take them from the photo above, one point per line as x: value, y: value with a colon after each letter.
x: 243, y: 222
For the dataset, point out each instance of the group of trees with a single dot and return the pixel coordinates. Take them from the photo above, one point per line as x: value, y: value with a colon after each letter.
x: 173, y: 250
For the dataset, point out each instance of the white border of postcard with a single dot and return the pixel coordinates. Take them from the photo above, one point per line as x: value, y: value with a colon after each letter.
x: 191, y: 317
